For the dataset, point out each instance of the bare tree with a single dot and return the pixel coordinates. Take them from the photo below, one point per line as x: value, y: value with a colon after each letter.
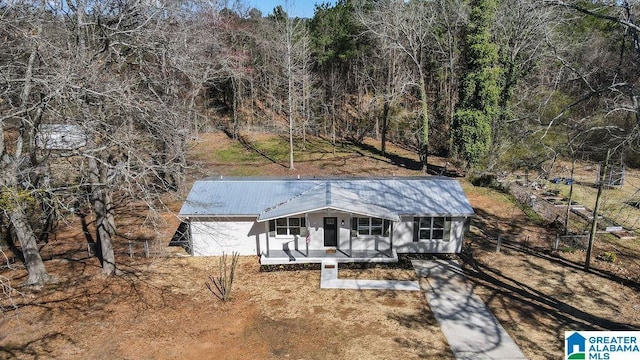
x: 406, y: 28
x: 609, y: 76
x: 24, y: 100
x: 123, y: 88
x: 292, y: 52
x: 525, y: 33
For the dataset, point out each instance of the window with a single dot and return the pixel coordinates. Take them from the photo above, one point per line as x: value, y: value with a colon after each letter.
x: 288, y: 226
x: 432, y: 228
x: 369, y: 226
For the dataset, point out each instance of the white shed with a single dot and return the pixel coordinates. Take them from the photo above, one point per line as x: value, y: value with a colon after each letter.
x: 61, y: 137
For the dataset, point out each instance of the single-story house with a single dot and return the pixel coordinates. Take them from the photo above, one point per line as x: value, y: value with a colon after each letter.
x: 307, y: 219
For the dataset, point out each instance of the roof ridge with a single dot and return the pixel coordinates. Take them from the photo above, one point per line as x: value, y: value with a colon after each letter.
x: 328, y: 192
x: 289, y: 199
x: 323, y: 179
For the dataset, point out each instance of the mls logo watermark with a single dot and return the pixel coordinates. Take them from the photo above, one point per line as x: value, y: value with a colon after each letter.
x: 601, y: 345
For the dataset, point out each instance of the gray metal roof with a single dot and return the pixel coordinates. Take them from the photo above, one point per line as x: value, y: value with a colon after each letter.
x: 328, y: 195
x: 274, y: 197
x: 61, y: 137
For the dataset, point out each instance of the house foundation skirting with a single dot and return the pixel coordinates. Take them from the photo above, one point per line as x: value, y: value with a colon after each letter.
x: 280, y: 257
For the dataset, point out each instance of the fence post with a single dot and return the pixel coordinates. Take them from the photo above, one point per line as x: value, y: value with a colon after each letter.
x: 130, y: 249
x: 499, y: 242
x: 557, y: 243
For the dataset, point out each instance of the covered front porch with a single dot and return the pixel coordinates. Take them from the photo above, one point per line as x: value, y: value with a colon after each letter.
x: 327, y: 222
x: 281, y: 257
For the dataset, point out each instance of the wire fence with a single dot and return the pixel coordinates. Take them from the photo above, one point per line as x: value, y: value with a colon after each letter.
x: 557, y: 243
x: 134, y: 248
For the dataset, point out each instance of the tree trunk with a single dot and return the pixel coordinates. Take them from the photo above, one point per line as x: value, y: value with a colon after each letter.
x: 234, y: 105
x: 596, y: 208
x: 9, y: 170
x: 566, y: 219
x: 38, y: 274
x: 499, y: 121
x: 385, y: 126
x: 290, y: 101
x: 103, y: 209
x: 424, y: 148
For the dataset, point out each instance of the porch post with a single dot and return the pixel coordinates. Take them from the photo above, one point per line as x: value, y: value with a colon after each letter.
x: 391, y: 239
x: 306, y: 224
x: 338, y: 230
x: 266, y: 226
x: 350, y: 235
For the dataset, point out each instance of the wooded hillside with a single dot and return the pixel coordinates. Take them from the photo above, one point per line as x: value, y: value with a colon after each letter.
x: 493, y: 85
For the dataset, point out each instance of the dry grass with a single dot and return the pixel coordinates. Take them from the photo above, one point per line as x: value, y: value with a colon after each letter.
x: 537, y: 295
x: 161, y: 309
x: 614, y: 200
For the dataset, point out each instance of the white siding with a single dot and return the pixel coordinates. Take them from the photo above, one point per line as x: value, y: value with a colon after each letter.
x: 367, y: 243
x: 403, y: 238
x: 315, y: 223
x: 213, y: 237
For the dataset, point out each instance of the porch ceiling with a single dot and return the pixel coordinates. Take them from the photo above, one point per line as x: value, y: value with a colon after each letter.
x: 327, y: 196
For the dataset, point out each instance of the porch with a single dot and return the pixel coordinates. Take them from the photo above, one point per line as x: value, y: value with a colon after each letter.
x: 281, y: 257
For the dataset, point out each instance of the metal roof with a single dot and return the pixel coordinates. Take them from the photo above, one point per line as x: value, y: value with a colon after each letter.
x: 61, y: 137
x: 266, y: 197
x: 328, y: 196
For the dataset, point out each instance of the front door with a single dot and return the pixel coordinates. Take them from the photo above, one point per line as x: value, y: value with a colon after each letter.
x: 330, y: 231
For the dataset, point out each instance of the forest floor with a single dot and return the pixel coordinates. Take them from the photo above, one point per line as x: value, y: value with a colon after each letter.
x: 160, y: 308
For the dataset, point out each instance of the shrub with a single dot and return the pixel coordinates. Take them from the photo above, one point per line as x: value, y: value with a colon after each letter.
x: 220, y: 286
x: 608, y: 256
x: 485, y: 180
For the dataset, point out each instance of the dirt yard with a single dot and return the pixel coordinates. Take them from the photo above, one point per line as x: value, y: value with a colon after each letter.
x: 160, y: 308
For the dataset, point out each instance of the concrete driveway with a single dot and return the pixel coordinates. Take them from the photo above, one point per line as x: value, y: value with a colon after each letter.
x: 471, y: 329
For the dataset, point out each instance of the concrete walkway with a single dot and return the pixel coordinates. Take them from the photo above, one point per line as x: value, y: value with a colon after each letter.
x: 329, y: 280
x: 471, y: 329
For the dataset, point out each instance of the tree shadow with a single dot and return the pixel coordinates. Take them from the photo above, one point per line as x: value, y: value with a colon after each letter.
x: 250, y: 147
x: 390, y: 158
x: 493, y: 227
x: 459, y: 309
x: 566, y: 315
x: 35, y: 347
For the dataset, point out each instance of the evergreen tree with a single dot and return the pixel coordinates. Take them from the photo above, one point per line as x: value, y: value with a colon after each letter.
x: 479, y: 89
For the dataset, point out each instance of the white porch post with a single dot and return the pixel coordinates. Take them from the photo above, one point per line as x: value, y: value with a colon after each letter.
x: 350, y: 235
x: 266, y: 226
x: 338, y: 229
x: 391, y: 239
x: 306, y: 224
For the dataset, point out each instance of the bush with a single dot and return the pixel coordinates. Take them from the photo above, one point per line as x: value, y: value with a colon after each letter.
x: 220, y: 286
x: 608, y: 256
x: 485, y: 180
